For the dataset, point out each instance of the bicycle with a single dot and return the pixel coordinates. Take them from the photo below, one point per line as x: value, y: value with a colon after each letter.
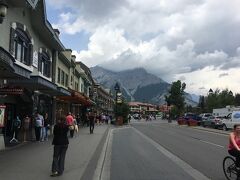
x: 229, y: 168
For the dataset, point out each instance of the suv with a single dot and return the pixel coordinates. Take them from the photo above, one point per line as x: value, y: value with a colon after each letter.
x: 213, y: 121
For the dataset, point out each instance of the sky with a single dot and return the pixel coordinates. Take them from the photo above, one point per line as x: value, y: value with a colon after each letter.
x: 195, y: 41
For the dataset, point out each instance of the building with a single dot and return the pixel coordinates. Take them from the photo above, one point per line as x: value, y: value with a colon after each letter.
x: 104, y: 100
x: 37, y: 72
x: 142, y: 108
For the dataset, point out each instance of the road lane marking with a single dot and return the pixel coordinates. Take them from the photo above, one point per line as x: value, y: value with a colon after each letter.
x: 207, y: 142
x: 195, y: 174
x: 102, y: 171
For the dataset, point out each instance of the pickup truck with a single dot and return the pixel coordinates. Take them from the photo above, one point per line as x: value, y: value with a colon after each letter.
x: 231, y: 119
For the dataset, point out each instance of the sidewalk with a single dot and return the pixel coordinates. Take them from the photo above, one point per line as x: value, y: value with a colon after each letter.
x: 33, y: 161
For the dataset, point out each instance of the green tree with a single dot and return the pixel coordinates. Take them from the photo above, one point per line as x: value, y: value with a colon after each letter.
x: 176, y: 97
x: 201, y: 103
x: 212, y: 101
x: 123, y: 110
x: 226, y: 98
x: 237, y: 100
x: 219, y: 99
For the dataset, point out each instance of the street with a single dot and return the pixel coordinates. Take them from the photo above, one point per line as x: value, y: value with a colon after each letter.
x: 191, y: 153
x: 139, y: 151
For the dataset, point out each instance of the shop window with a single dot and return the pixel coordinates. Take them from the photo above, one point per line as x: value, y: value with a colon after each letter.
x: 21, y: 47
x: 44, y: 64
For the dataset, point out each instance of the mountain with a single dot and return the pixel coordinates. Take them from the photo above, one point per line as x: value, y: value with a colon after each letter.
x: 136, y: 84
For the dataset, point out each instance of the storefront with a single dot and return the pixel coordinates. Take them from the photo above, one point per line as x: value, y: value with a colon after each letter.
x: 15, y: 98
x: 78, y: 103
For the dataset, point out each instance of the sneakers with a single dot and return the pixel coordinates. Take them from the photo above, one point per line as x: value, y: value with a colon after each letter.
x: 54, y: 174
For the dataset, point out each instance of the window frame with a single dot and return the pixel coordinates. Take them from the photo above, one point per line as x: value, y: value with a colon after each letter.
x: 21, y: 47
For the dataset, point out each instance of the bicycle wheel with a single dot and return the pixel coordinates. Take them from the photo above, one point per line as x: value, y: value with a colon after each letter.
x: 229, y: 168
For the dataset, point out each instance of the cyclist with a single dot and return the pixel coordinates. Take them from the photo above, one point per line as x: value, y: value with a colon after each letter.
x: 234, y: 144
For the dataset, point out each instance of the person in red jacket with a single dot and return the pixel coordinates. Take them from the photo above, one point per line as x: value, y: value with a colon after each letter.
x: 70, y: 123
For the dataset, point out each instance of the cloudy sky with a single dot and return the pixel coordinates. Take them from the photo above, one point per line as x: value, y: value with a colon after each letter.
x: 196, y: 41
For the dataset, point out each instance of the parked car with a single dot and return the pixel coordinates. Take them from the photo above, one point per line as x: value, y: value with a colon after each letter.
x: 192, y: 117
x: 213, y: 121
x: 205, y: 116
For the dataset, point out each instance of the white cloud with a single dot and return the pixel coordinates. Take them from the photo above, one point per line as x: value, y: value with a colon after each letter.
x: 195, y: 39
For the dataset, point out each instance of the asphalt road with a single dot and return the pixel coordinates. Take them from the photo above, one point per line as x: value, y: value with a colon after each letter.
x: 137, y: 158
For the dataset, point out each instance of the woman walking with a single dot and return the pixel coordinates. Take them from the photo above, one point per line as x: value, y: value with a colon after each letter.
x: 60, y: 142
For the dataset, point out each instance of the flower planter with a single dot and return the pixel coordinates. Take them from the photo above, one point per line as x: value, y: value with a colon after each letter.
x: 181, y: 122
x: 192, y: 123
x: 119, y: 121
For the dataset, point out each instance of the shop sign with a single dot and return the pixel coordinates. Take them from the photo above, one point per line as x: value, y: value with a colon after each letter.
x: 11, y: 91
x: 2, y: 115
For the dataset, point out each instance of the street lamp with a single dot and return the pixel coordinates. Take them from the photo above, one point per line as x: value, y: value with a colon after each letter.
x: 3, y: 10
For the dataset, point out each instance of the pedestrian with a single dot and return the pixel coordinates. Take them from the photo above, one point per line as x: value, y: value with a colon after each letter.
x: 70, y: 123
x: 46, y: 126
x: 16, y: 127
x: 91, y: 118
x: 60, y: 142
x: 129, y: 118
x: 26, y: 127
x: 38, y: 125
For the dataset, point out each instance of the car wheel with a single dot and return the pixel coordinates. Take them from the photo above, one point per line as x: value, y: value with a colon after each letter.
x: 225, y: 127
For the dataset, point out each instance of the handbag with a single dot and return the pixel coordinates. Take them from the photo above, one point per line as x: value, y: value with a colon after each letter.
x: 71, y: 127
x: 76, y: 128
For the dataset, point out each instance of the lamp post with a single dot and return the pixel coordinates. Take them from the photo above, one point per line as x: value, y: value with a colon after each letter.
x: 3, y: 10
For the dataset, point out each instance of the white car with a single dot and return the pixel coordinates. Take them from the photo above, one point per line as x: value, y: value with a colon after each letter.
x: 205, y: 116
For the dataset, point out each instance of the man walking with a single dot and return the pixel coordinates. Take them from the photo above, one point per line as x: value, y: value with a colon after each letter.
x: 38, y: 125
x: 91, y: 118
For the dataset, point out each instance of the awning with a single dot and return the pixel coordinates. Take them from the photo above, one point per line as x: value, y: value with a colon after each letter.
x: 38, y: 83
x: 77, y: 98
